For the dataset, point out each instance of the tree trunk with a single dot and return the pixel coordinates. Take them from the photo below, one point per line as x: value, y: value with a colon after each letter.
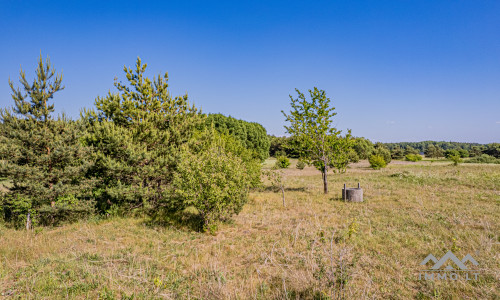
x: 325, y: 182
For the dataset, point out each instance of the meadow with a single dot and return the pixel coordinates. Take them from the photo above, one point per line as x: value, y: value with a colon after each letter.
x: 316, y: 247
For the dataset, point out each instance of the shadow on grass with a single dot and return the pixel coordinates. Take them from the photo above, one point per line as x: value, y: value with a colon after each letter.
x: 270, y: 188
x: 188, y: 220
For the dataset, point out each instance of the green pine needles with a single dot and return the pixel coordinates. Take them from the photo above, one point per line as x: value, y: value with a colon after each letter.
x: 43, y: 155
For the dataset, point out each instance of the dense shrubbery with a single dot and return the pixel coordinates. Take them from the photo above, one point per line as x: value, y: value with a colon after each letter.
x: 451, y: 152
x: 250, y: 134
x: 377, y: 162
x: 382, y: 151
x: 363, y: 147
x: 397, y: 153
x: 139, y: 150
x: 413, y: 157
x: 213, y: 178
x: 483, y: 159
x: 422, y: 146
x: 286, y: 146
x: 433, y: 151
x: 282, y: 162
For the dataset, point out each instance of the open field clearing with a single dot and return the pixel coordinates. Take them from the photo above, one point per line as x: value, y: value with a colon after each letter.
x: 317, y: 247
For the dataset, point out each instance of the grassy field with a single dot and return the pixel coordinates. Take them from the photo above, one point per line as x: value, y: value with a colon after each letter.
x: 317, y: 247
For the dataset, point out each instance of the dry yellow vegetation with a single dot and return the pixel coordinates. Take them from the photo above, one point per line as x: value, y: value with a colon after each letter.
x: 317, y: 247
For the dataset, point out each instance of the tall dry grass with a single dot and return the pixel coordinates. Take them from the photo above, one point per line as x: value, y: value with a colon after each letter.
x: 317, y: 247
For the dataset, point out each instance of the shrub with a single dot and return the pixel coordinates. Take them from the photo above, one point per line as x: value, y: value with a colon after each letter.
x: 413, y: 157
x: 282, y: 162
x: 456, y: 159
x: 484, y: 159
x: 363, y: 148
x: 353, y: 156
x: 377, y: 162
x: 301, y: 165
x: 397, y: 153
x: 382, y: 151
x: 451, y: 152
x: 463, y: 153
x: 252, y: 135
x: 213, y: 179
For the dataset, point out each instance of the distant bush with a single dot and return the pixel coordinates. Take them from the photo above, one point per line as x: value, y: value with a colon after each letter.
x: 252, y: 135
x: 456, y: 159
x: 377, y: 162
x: 463, y: 153
x: 353, y: 156
x: 301, y: 165
x: 413, y: 157
x: 484, y: 159
x: 381, y: 150
x: 410, y: 150
x: 282, y: 162
x: 493, y: 150
x: 451, y: 152
x: 363, y: 147
x: 397, y: 153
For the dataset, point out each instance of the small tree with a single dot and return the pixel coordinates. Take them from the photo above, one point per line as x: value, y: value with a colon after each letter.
x: 282, y: 162
x: 397, y: 152
x: 456, y: 159
x: 318, y: 142
x: 43, y: 155
x: 277, y: 179
x: 433, y: 151
x: 363, y: 147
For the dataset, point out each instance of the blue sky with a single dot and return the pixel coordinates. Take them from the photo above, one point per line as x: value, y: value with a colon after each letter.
x: 395, y: 70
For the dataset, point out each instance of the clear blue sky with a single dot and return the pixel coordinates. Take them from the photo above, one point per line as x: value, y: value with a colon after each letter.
x: 395, y: 70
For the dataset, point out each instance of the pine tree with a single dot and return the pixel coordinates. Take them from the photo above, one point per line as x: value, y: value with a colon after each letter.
x: 43, y: 156
x: 137, y: 134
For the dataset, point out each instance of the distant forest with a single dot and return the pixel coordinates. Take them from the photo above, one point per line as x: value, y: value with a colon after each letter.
x: 422, y: 146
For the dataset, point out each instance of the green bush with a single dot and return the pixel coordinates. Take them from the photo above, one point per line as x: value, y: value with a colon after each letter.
x: 377, y: 162
x: 353, y: 156
x: 382, y: 151
x: 252, y: 135
x: 397, y: 153
x: 363, y: 147
x: 413, y: 157
x: 463, y: 153
x: 484, y: 159
x: 213, y: 179
x: 301, y: 165
x: 456, y: 159
x: 451, y: 152
x: 282, y: 162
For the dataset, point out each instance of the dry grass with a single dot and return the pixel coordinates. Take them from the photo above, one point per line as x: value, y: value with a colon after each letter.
x: 316, y: 247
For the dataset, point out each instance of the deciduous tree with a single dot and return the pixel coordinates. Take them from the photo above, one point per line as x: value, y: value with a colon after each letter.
x: 318, y: 142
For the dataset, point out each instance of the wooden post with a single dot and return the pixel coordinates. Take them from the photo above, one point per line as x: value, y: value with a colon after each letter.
x: 28, y: 222
x: 359, y: 185
x: 344, y: 192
